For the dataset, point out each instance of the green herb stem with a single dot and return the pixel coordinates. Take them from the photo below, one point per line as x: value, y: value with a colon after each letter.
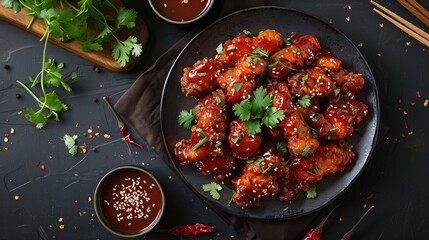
x: 29, y: 91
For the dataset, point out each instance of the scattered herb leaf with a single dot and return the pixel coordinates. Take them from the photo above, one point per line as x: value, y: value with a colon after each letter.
x: 70, y: 142
x: 281, y: 147
x: 304, y: 101
x: 213, y: 188
x: 232, y: 197
x: 186, y: 119
x: 312, y: 192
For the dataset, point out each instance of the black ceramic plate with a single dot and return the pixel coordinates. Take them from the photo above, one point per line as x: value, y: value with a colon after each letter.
x: 285, y: 21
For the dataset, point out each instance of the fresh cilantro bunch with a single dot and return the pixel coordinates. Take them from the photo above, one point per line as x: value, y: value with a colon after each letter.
x: 91, y: 23
x: 258, y: 111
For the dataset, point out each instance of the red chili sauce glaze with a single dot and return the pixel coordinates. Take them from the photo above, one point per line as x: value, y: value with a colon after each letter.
x: 180, y: 10
x: 130, y: 200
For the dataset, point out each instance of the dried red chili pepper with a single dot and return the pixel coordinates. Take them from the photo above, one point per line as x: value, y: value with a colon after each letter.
x: 193, y: 229
x: 125, y: 133
x: 316, y: 233
x: 349, y: 234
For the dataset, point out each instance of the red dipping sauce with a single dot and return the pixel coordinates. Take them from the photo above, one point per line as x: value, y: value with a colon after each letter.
x: 130, y: 201
x: 181, y: 10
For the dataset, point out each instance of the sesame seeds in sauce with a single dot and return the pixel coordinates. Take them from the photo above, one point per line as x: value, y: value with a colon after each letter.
x: 130, y: 200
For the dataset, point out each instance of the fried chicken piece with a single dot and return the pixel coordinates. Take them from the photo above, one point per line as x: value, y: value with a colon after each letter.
x: 339, y: 118
x: 328, y: 160
x: 349, y: 83
x: 300, y: 137
x: 240, y: 81
x: 312, y: 82
x: 201, y: 78
x: 210, y: 129
x: 234, y: 49
x: 220, y: 164
x: 293, y: 57
x: 268, y: 40
x: 243, y: 145
x: 328, y: 62
x: 259, y: 179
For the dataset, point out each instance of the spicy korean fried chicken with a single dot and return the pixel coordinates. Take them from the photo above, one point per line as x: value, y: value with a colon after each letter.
x: 210, y: 128
x: 348, y: 82
x: 201, y: 78
x: 234, y: 49
x: 299, y: 135
x: 328, y: 160
x: 219, y: 164
x: 259, y: 179
x: 243, y: 144
x: 240, y: 81
x: 312, y: 82
x: 293, y: 57
x: 339, y: 118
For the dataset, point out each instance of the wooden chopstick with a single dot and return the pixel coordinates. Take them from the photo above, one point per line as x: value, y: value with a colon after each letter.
x: 403, y: 24
x: 416, y: 9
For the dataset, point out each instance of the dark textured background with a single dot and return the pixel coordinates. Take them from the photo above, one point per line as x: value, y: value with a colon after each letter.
x: 394, y: 181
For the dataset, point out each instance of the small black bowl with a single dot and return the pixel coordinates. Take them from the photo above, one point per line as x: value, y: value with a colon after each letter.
x: 129, y: 201
x: 164, y: 15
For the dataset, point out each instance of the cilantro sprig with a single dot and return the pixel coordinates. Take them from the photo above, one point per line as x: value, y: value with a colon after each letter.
x: 257, y: 111
x: 49, y: 104
x: 213, y: 188
x: 186, y: 119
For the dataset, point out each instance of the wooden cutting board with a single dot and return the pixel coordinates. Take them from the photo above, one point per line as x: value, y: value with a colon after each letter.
x: 103, y: 58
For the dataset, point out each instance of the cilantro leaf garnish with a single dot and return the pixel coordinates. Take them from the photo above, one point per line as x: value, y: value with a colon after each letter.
x: 272, y: 117
x: 219, y: 49
x: 213, y: 188
x: 304, y: 101
x: 246, y: 32
x: 281, y: 147
x: 186, y: 119
x: 312, y: 192
x: 253, y: 127
x: 243, y: 109
x: 237, y: 86
x: 257, y: 111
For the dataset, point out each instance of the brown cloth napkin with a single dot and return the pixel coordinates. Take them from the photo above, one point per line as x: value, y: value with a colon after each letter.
x: 139, y: 105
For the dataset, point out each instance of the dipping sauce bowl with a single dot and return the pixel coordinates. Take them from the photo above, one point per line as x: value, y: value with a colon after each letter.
x: 181, y: 11
x: 129, y: 201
